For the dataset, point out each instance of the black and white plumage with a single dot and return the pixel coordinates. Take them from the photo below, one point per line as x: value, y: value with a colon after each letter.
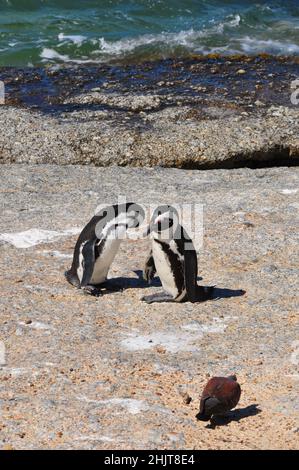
x: 173, y: 258
x: 98, y: 244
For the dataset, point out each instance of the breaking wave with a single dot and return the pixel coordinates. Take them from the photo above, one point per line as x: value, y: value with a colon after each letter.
x: 35, y: 31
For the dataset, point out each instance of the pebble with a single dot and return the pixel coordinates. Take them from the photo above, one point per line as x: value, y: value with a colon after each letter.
x: 259, y: 103
x: 186, y: 397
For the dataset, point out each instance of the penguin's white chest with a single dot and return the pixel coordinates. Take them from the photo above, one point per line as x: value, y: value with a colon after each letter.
x: 106, y: 257
x: 164, y: 269
x: 104, y: 261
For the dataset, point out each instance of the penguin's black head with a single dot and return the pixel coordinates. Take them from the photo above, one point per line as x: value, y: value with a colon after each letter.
x: 130, y: 215
x: 164, y: 219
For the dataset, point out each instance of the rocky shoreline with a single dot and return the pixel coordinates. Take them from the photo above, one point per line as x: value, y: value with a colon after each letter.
x: 201, y: 113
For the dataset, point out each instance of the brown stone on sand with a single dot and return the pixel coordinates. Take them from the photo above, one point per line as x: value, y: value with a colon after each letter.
x: 219, y: 396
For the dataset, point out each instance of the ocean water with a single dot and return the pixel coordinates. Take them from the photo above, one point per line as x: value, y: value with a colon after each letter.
x: 34, y: 32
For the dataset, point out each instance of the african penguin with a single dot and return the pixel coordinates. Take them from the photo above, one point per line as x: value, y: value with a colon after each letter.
x: 174, y: 258
x: 98, y: 244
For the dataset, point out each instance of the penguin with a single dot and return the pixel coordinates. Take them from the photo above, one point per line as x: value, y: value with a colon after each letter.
x: 220, y: 395
x: 174, y: 258
x: 98, y: 244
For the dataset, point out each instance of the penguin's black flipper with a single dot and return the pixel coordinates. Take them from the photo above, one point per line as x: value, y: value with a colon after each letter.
x: 190, y: 272
x: 149, y: 268
x: 88, y: 253
x: 72, y: 278
x: 159, y: 297
x: 195, y: 293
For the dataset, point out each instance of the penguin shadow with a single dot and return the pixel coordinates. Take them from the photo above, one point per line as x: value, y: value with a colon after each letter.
x: 155, y: 282
x: 226, y: 293
x: 235, y: 415
x: 115, y: 284
x: 123, y: 283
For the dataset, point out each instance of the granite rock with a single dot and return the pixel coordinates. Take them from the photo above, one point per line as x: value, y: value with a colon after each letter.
x: 81, y: 372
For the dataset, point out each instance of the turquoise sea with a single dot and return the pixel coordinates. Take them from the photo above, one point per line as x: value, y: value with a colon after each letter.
x: 34, y: 32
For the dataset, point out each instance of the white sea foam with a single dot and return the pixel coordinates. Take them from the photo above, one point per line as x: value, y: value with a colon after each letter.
x: 49, y: 54
x: 254, y: 45
x: 235, y: 21
x: 183, y: 38
x: 219, y: 27
x: 74, y: 38
x: 35, y: 236
x: 199, y: 41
